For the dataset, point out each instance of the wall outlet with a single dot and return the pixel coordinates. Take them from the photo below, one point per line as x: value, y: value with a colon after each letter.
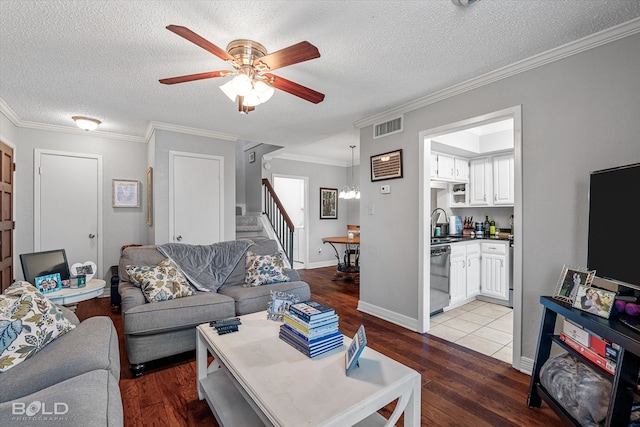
x: 371, y: 209
x: 319, y: 250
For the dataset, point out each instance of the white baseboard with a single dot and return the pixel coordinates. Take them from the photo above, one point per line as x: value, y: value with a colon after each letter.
x: 526, y: 365
x: 388, y: 315
x: 312, y: 265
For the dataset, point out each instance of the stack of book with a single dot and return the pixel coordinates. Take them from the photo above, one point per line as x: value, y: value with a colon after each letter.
x: 601, y: 352
x: 311, y: 328
x: 225, y: 326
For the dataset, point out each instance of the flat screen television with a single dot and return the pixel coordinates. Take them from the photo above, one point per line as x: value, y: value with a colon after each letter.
x: 42, y: 263
x: 612, y: 252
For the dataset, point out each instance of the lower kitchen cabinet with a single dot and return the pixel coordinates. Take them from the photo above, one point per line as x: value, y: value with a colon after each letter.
x: 494, y: 282
x: 464, y: 277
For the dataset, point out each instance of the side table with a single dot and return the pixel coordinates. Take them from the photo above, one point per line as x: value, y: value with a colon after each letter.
x: 70, y: 297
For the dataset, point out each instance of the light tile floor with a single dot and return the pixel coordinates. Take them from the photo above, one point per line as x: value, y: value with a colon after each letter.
x: 481, y: 326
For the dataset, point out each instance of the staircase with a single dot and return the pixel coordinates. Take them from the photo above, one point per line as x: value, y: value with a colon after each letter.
x: 249, y: 227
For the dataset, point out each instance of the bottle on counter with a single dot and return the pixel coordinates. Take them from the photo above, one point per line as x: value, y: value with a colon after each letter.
x: 492, y: 228
x: 487, y: 224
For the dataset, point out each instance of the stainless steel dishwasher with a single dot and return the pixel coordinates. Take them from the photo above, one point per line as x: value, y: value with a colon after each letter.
x: 440, y: 265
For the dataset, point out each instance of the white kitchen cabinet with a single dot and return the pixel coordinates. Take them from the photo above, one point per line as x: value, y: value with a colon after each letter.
x: 434, y: 165
x: 494, y: 282
x: 458, y: 273
x: 445, y: 167
x: 503, y: 182
x: 464, y: 280
x: 461, y: 169
x: 480, y: 182
x: 473, y: 269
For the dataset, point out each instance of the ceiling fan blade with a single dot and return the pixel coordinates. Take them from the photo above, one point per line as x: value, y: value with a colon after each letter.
x: 192, y: 77
x: 203, y: 43
x: 295, y: 89
x: 299, y: 52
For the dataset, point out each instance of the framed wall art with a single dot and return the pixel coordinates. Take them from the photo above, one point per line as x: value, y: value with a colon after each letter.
x: 126, y: 193
x: 328, y: 203
x: 252, y: 157
x: 386, y: 166
x: 149, y: 195
x: 570, y: 279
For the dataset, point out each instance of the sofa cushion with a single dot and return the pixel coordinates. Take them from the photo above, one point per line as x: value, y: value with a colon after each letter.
x: 137, y: 255
x: 260, y: 247
x: 177, y: 314
x: 92, y: 345
x: 264, y: 269
x: 160, y: 283
x: 28, y: 322
x: 253, y: 299
x: 90, y: 399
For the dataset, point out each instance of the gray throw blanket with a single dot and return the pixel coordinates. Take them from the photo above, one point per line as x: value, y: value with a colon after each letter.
x: 206, y: 267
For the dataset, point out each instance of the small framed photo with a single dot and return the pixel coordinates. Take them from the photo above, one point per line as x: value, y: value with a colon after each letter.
x: 252, y: 157
x: 570, y: 279
x: 355, y: 349
x: 279, y: 304
x: 149, y: 195
x: 126, y: 193
x: 328, y: 203
x: 49, y: 283
x: 595, y: 300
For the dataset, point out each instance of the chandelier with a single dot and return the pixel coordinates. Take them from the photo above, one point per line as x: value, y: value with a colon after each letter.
x: 353, y: 192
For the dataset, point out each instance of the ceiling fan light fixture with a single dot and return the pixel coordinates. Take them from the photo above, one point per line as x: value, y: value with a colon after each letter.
x: 86, y: 123
x: 228, y: 90
x: 242, y: 84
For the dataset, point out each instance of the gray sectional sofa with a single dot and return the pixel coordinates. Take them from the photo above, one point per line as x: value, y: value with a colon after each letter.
x: 160, y: 329
x: 72, y: 381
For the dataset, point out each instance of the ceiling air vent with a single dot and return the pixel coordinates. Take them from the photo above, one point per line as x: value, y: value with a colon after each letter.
x: 387, y: 128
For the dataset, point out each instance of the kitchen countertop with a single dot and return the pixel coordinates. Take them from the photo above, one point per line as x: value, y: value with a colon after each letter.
x: 446, y: 240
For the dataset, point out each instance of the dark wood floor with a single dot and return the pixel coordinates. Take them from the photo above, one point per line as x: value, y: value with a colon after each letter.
x: 459, y: 386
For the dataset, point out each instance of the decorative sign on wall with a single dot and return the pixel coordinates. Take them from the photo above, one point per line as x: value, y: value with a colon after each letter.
x: 386, y: 166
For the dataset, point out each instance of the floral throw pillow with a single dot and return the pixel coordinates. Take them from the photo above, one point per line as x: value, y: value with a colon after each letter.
x: 28, y: 322
x: 264, y: 269
x: 161, y: 282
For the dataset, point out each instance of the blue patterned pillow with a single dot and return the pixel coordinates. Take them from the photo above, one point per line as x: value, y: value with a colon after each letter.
x: 161, y: 282
x: 28, y: 322
x: 264, y: 269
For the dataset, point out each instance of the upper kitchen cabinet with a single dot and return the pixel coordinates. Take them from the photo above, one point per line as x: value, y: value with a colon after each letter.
x: 480, y: 182
x: 449, y: 168
x: 503, y: 191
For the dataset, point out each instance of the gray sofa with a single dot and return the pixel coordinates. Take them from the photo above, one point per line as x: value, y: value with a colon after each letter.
x: 73, y: 380
x: 156, y: 330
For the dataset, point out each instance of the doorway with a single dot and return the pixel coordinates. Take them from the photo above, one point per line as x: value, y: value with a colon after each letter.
x: 196, y: 194
x: 68, y: 205
x: 292, y: 192
x: 426, y: 205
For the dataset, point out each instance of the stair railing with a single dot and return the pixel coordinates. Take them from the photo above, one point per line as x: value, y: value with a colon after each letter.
x: 279, y: 219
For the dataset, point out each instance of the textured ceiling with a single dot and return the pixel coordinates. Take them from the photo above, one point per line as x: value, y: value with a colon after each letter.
x: 103, y: 59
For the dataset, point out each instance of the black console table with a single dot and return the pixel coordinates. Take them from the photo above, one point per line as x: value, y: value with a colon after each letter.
x: 624, y: 380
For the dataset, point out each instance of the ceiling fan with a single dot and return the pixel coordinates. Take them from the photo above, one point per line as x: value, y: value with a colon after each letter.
x: 253, y: 83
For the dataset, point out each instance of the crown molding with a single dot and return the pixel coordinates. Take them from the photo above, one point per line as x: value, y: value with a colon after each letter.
x: 187, y: 130
x: 307, y: 159
x: 598, y: 39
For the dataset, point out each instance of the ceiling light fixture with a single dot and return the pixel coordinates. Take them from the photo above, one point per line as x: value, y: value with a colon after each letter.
x: 253, y: 91
x: 353, y: 192
x: 86, y: 123
x: 464, y: 2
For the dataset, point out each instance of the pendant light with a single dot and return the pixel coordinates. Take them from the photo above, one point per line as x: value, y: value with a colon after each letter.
x: 353, y: 192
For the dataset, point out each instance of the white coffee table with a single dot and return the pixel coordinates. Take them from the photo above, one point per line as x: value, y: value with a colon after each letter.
x: 258, y: 379
x: 71, y: 296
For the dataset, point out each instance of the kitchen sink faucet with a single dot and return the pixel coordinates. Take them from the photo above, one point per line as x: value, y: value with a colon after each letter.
x: 434, y: 219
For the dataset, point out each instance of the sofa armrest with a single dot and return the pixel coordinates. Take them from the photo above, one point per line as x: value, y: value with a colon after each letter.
x: 292, y: 274
x: 69, y: 315
x: 130, y: 296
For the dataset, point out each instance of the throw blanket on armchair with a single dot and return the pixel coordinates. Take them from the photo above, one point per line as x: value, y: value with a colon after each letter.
x: 206, y: 267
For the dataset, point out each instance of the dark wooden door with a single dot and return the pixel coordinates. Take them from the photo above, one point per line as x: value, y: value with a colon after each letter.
x: 7, y: 168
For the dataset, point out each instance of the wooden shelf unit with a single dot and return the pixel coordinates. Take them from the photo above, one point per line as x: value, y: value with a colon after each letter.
x: 625, y: 379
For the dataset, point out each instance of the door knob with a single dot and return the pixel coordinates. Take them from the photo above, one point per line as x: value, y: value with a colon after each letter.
x: 179, y: 238
x: 91, y: 235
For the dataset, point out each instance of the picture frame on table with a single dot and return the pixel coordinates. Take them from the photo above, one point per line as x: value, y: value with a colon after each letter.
x: 328, y: 203
x: 126, y: 193
x: 570, y: 279
x: 595, y: 300
x: 351, y: 356
x: 279, y: 304
x: 48, y: 283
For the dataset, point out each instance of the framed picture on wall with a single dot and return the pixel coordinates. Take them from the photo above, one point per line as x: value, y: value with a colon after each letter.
x: 328, y: 203
x: 126, y: 193
x: 149, y: 195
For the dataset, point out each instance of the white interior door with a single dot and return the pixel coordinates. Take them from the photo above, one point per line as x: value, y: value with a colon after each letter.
x: 68, y: 205
x: 196, y: 198
x: 291, y: 191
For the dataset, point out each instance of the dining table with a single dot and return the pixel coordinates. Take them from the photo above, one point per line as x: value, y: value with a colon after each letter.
x: 347, y: 268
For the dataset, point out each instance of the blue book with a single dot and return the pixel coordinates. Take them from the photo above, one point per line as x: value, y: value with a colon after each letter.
x: 311, y: 310
x: 310, y: 341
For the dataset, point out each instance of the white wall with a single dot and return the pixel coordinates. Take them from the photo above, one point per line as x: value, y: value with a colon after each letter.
x: 579, y: 114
